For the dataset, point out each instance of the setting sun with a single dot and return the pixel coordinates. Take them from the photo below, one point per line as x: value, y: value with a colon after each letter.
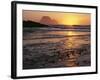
x: 71, y: 20
x: 76, y: 19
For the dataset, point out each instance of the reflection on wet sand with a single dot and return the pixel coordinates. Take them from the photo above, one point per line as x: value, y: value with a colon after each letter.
x: 72, y: 54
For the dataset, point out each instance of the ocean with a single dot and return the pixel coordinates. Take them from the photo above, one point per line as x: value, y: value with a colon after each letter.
x: 55, y: 47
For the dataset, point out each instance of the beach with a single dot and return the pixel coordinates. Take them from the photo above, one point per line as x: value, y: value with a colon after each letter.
x: 52, y: 48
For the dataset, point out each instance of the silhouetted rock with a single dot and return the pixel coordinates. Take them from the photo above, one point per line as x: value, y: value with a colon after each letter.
x: 48, y: 21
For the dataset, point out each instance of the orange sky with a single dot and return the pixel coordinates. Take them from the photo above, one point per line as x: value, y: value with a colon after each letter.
x: 65, y: 18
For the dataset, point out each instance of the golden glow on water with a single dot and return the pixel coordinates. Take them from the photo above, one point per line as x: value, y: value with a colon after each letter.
x: 69, y: 33
x: 69, y: 43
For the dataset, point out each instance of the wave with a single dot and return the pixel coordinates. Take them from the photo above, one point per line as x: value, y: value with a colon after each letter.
x: 54, y: 36
x: 56, y: 29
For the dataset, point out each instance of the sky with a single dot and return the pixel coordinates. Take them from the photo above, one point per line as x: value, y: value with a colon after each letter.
x: 65, y: 18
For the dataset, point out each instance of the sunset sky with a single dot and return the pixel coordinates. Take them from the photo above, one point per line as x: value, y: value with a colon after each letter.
x: 65, y: 18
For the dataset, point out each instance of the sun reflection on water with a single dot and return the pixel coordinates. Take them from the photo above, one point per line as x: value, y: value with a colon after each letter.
x: 70, y: 42
x: 69, y: 33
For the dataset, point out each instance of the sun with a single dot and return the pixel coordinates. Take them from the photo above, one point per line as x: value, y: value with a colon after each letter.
x: 71, y: 20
